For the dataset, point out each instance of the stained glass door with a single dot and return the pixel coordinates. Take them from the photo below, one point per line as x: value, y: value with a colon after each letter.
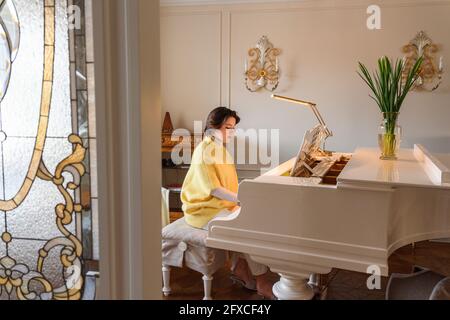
x: 47, y: 153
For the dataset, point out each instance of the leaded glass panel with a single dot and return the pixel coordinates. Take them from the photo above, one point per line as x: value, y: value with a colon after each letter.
x: 47, y: 205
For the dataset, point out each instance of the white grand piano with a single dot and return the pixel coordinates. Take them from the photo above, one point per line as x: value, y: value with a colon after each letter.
x: 320, y: 211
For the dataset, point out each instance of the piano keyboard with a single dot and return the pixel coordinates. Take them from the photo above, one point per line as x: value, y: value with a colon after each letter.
x: 322, y: 168
x: 331, y: 176
x: 327, y: 168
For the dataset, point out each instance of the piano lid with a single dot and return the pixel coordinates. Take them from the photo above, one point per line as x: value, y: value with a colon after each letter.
x: 414, y: 168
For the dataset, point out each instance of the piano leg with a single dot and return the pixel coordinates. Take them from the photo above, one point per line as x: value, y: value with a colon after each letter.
x: 293, y: 288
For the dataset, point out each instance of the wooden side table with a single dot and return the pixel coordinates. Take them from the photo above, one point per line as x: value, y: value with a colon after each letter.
x: 174, y: 216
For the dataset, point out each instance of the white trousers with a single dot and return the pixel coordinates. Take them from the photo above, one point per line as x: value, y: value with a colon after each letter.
x: 257, y: 269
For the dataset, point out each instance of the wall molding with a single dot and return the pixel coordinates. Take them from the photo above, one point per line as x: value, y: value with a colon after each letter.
x: 222, y: 19
x: 183, y: 7
x: 228, y: 8
x: 171, y: 3
x: 225, y: 74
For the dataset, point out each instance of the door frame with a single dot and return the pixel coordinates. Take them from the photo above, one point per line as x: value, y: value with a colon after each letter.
x: 127, y: 85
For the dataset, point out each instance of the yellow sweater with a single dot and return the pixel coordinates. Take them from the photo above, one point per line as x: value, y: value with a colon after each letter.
x: 211, y: 167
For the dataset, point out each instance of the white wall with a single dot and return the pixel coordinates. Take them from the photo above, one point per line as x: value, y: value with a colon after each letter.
x: 203, y: 51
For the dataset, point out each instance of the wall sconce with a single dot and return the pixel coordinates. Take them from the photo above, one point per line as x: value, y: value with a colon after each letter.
x: 262, y: 66
x: 430, y: 76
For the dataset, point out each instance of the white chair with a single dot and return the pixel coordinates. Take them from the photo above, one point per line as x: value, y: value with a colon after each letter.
x: 422, y: 284
x: 165, y: 211
x: 183, y: 245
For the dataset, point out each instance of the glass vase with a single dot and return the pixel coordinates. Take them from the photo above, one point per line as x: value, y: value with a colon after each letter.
x: 389, y: 136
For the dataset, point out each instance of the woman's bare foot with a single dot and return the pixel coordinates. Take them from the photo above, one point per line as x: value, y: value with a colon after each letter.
x: 264, y: 286
x: 242, y: 272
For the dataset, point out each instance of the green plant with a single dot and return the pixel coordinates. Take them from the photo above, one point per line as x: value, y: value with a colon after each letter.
x: 390, y: 88
x: 387, y: 85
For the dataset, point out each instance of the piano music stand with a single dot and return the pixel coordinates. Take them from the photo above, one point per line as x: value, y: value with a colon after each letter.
x: 311, y: 148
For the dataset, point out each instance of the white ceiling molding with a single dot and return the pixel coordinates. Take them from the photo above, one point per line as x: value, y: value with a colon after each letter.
x: 199, y: 3
x: 170, y: 3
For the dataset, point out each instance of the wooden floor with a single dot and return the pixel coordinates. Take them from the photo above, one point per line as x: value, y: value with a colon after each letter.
x: 342, y: 284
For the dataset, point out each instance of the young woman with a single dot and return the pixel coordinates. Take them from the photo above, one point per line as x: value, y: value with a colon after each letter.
x: 210, y: 192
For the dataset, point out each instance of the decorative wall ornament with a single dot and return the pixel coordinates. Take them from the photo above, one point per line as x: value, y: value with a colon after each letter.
x: 430, y: 75
x: 262, y: 66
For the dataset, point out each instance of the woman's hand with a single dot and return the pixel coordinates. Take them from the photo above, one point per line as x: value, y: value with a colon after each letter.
x: 224, y: 194
x: 235, y: 209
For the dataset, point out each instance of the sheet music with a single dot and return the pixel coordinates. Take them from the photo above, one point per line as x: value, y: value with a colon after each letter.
x: 311, y: 147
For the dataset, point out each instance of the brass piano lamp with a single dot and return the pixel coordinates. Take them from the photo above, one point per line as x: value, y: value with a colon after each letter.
x: 313, y: 107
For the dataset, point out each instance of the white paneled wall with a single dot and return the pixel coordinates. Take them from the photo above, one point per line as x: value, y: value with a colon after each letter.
x: 191, y: 65
x: 204, y: 47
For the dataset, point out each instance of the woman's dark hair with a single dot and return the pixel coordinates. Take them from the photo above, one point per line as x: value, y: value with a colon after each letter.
x: 219, y: 116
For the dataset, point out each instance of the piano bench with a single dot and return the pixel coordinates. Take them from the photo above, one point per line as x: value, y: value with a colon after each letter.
x: 185, y: 245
